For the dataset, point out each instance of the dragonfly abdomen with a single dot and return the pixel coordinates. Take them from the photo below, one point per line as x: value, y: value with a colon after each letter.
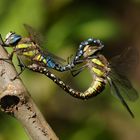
x: 54, y: 65
x: 96, y: 87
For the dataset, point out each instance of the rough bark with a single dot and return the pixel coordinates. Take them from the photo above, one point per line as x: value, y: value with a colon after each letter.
x: 17, y: 102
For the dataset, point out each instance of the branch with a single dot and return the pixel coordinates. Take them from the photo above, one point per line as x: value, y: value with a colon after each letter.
x: 16, y: 101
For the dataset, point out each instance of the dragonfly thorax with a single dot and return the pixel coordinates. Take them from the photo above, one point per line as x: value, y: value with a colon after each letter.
x: 99, y: 66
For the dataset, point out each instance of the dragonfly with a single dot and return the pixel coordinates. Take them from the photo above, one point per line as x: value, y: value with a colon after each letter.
x: 101, y: 69
x: 103, y: 72
x: 30, y: 48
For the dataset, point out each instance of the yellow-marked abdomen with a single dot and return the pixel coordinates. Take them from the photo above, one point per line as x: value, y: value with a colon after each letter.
x: 96, y: 87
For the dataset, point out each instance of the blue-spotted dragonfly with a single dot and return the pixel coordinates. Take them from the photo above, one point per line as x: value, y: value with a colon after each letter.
x: 103, y: 72
x: 30, y: 48
x: 88, y: 52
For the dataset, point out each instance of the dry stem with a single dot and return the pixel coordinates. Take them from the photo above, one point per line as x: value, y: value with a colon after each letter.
x: 16, y: 101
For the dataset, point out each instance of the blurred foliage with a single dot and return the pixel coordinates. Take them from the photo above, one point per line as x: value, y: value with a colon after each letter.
x: 64, y: 24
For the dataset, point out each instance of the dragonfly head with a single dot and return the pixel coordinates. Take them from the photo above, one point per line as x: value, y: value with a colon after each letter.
x: 12, y: 39
x: 92, y: 47
x: 88, y: 48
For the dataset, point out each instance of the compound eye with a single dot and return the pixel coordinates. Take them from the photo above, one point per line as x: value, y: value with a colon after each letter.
x: 9, y: 35
x: 97, y: 43
x: 89, y: 50
x: 86, y: 48
x: 12, y: 38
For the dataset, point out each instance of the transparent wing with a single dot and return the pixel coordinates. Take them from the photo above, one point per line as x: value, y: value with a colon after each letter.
x: 121, y: 68
x: 38, y: 39
x: 115, y: 90
x: 34, y: 35
x: 125, y: 62
x: 124, y: 85
x: 56, y: 58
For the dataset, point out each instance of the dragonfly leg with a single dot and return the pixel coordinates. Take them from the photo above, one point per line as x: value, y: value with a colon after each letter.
x: 20, y: 63
x: 79, y: 61
x: 18, y: 74
x: 10, y: 56
x: 83, y: 59
x: 69, y: 60
x: 1, y: 41
x: 77, y: 71
x: 22, y: 68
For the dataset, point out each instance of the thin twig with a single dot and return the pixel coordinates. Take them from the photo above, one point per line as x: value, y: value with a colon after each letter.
x: 16, y: 101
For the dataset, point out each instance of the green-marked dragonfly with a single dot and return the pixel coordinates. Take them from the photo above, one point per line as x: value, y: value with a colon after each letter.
x: 103, y: 72
x: 30, y: 48
x: 101, y: 69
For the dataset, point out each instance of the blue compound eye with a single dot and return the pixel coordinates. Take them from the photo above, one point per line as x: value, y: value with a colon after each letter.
x: 12, y: 38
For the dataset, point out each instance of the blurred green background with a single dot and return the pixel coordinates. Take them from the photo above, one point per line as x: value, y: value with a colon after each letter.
x: 64, y: 24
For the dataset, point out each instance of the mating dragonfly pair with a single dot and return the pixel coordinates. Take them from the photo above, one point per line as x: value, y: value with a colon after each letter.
x: 88, y: 54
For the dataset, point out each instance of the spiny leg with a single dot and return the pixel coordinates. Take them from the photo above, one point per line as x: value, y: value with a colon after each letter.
x: 69, y: 59
x: 1, y: 41
x: 77, y: 71
x: 20, y: 63
x: 10, y: 56
x: 22, y: 68
x: 79, y: 61
x: 84, y: 59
